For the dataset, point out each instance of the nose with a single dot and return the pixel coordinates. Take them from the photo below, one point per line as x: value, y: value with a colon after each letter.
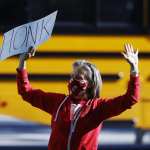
x: 79, y: 77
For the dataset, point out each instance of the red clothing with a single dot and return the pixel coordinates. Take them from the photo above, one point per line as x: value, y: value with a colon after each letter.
x: 81, y: 133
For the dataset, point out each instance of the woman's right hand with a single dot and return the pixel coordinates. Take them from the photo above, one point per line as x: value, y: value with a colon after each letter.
x: 25, y: 56
x: 31, y: 52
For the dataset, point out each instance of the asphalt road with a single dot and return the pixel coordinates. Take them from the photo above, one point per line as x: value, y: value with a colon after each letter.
x: 17, y: 134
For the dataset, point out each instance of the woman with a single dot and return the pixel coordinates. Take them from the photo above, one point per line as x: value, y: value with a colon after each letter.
x: 77, y: 117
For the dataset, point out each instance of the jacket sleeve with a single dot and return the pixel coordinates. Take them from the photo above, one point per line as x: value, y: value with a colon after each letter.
x: 36, y: 97
x: 106, y: 108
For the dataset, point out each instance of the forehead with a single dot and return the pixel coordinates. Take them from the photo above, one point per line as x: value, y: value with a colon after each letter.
x: 82, y: 69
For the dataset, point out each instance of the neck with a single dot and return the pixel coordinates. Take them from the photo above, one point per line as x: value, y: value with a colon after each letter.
x: 79, y: 97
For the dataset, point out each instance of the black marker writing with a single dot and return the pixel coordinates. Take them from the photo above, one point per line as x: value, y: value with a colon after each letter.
x: 30, y: 32
x: 44, y: 28
x: 11, y: 40
x: 15, y: 47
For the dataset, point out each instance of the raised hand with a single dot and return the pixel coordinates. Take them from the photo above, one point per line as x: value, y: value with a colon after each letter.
x: 132, y: 58
x: 25, y: 56
x: 29, y: 54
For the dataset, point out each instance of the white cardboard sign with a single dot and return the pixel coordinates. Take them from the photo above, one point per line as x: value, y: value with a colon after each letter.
x: 19, y: 39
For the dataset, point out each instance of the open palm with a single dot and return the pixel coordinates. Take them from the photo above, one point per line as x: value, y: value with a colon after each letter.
x: 130, y: 55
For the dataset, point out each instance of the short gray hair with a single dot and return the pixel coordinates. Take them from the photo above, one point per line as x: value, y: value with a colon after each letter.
x: 94, y: 78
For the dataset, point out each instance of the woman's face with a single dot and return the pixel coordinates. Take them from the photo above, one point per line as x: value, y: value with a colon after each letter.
x: 78, y: 83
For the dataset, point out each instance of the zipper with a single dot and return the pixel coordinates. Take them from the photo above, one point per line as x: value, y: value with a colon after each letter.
x: 72, y: 126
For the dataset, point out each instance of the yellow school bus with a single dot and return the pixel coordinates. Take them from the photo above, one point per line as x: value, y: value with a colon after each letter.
x: 91, y: 30
x: 50, y: 69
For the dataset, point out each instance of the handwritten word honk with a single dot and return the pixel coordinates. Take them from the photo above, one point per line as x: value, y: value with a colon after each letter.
x: 19, y: 39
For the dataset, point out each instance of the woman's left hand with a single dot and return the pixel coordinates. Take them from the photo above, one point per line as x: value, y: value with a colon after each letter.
x: 132, y: 58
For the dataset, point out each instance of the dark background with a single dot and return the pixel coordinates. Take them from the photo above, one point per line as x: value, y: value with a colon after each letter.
x: 80, y: 16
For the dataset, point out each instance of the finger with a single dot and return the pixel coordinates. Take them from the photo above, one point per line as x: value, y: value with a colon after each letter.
x: 131, y: 48
x: 124, y: 52
x: 128, y: 48
x: 137, y: 52
x: 125, y: 47
x: 33, y: 53
x: 125, y: 56
x: 31, y: 49
x: 29, y: 55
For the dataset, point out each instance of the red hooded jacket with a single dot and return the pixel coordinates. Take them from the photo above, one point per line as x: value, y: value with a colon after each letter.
x: 80, y: 133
